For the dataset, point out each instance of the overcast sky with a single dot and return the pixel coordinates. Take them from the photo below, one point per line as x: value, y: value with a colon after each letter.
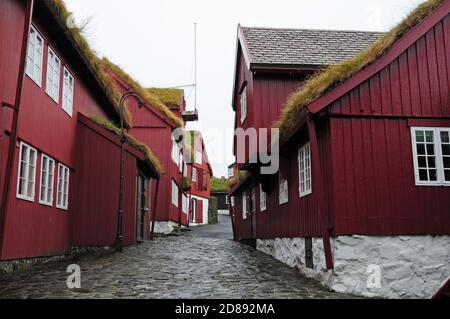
x: 154, y: 42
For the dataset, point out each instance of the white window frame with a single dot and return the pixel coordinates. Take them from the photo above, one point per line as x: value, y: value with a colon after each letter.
x: 244, y: 205
x: 184, y: 203
x: 283, y: 191
x: 35, y: 56
x: 175, y: 152
x: 53, y: 75
x: 262, y: 199
x: 194, y: 174
x: 227, y: 199
x: 175, y: 192
x: 244, y: 104
x: 439, y: 156
x: 198, y: 157
x: 29, y: 150
x: 62, y: 188
x: 305, y: 170
x: 46, y: 187
x: 68, y: 92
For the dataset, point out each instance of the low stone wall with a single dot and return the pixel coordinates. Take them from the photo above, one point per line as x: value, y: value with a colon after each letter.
x: 390, y: 267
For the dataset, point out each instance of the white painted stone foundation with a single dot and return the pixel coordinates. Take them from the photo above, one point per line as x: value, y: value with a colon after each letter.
x: 409, y: 266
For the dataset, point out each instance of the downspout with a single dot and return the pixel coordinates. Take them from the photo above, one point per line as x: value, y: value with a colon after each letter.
x: 232, y: 219
x: 8, y: 180
x: 155, y: 205
x: 180, y: 199
x: 320, y: 190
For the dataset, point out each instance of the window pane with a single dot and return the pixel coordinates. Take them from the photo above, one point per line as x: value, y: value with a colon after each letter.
x: 429, y: 136
x: 430, y: 149
x: 446, y: 162
x: 420, y: 137
x: 433, y: 175
x: 447, y: 175
x: 421, y: 149
x: 445, y: 137
x: 423, y: 175
x: 446, y: 149
x: 431, y: 162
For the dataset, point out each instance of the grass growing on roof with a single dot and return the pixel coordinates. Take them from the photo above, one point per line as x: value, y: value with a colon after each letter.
x: 170, y: 97
x: 295, y: 110
x: 142, y: 92
x: 149, y: 156
x: 76, y: 36
x: 238, y: 178
x: 219, y: 184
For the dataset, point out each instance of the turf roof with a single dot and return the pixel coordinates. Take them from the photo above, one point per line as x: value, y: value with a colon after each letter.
x: 170, y: 97
x: 295, y: 110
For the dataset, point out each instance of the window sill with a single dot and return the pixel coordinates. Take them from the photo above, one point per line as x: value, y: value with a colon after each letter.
x: 305, y: 194
x: 34, y: 81
x: 51, y: 98
x: 24, y: 198
x: 46, y: 204
x: 65, y: 209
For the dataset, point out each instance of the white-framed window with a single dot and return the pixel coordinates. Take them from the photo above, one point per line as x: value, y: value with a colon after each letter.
x: 26, y: 178
x: 283, y: 190
x: 68, y: 89
x: 198, y: 157
x: 232, y: 201
x: 244, y: 205
x: 431, y: 149
x: 185, y: 173
x: 230, y: 172
x: 262, y: 199
x: 175, y: 152
x: 304, y: 170
x: 180, y: 161
x: 47, y: 180
x: 53, y: 75
x: 35, y: 56
x: 184, y: 203
x: 244, y: 104
x: 227, y: 200
x: 194, y: 174
x: 174, y: 194
x: 62, y: 197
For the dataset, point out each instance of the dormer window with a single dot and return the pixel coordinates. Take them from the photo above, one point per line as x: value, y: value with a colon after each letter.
x: 243, y: 104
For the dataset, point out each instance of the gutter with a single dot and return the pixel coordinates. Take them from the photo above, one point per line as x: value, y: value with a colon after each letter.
x: 7, y: 183
x: 319, y: 188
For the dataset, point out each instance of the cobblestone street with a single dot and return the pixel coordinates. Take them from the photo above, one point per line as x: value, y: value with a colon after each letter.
x: 175, y: 267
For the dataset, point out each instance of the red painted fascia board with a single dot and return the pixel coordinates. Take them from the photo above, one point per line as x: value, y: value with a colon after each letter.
x: 147, y: 105
x: 398, y: 48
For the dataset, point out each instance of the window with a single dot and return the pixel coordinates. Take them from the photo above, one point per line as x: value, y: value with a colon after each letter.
x: 62, y: 198
x: 53, y: 75
x: 174, y: 194
x: 47, y: 180
x: 230, y: 172
x: 184, y: 204
x: 284, y: 191
x: 175, y: 152
x: 35, y: 54
x: 227, y: 200
x: 262, y: 199
x: 244, y: 104
x: 185, y: 173
x: 27, y: 172
x: 244, y: 205
x: 205, y: 180
x: 194, y: 174
x: 198, y: 157
x: 304, y: 170
x: 68, y: 88
x: 232, y: 201
x: 180, y: 161
x: 431, y: 149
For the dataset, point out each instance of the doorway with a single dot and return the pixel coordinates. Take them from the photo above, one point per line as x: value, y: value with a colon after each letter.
x: 141, y: 207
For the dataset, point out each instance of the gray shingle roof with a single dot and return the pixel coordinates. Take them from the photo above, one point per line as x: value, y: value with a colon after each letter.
x: 305, y: 47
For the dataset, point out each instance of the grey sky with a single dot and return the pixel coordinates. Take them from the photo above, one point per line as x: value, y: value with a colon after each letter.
x: 153, y: 41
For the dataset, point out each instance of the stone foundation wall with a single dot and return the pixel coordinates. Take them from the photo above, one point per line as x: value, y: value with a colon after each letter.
x: 390, y: 267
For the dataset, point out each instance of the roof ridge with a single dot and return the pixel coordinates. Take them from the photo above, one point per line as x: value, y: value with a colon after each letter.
x: 312, y: 29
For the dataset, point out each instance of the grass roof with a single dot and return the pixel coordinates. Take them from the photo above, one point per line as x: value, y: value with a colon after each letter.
x: 76, y: 36
x: 146, y: 94
x: 239, y: 178
x: 149, y: 156
x: 170, y: 97
x: 294, y: 111
x: 219, y: 185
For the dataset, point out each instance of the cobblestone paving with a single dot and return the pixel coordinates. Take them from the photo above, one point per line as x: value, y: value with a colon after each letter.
x: 177, y: 267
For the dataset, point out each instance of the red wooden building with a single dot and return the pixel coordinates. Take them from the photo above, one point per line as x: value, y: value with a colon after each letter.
x: 361, y: 200
x: 59, y: 169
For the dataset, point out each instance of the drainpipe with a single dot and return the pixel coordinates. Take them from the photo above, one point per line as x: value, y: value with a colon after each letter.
x: 8, y: 180
x: 232, y: 220
x: 319, y: 188
x: 155, y: 205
